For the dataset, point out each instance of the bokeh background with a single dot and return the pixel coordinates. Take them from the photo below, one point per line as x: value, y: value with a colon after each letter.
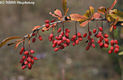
x: 73, y: 63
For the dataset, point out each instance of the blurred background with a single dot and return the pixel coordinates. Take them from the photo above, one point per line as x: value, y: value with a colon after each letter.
x: 72, y: 63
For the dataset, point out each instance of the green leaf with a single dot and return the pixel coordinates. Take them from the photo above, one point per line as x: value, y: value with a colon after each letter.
x: 64, y: 5
x: 121, y: 53
x: 8, y: 39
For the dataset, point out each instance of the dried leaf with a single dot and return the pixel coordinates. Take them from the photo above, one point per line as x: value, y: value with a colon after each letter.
x: 83, y: 24
x: 64, y: 5
x: 114, y: 3
x: 8, y: 39
x: 36, y: 27
x: 77, y: 17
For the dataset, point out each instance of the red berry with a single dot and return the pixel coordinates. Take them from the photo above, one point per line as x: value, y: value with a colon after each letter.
x: 26, y: 62
x: 116, y: 50
x: 92, y: 40
x: 32, y: 62
x: 59, y: 30
x: 112, y: 48
x: 79, y: 34
x: 94, y: 30
x: 106, y: 35
x: 23, y: 57
x: 64, y: 38
x: 90, y: 33
x: 117, y: 46
x: 106, y: 40
x: 88, y: 47
x: 65, y: 45
x: 74, y: 37
x: 47, y: 25
x: 110, y: 51
x: 51, y: 35
x: 59, y: 42
x: 114, y: 27
x: 23, y: 67
x: 47, y: 21
x: 22, y: 49
x: 80, y: 38
x: 115, y: 41
x: 33, y: 40
x: 33, y: 34
x: 106, y: 45
x: 26, y: 52
x: 85, y: 34
x: 52, y: 21
x: 56, y: 49
x: 54, y: 45
x: 67, y: 30
x: 35, y: 58
x: 100, y: 28
x: 40, y: 38
x: 32, y: 51
x: 29, y: 59
x: 101, y: 44
x: 66, y: 34
x: 68, y: 41
x: 77, y: 41
x: 93, y: 45
x: 29, y: 66
x: 74, y: 44
x: 112, y: 42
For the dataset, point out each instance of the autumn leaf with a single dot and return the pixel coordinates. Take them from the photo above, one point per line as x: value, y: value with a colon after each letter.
x: 64, y: 5
x: 102, y: 10
x: 8, y: 39
x: 116, y: 14
x: 83, y: 24
x: 114, y: 3
x: 96, y: 15
x: 36, y: 27
x: 58, y: 13
x: 77, y: 17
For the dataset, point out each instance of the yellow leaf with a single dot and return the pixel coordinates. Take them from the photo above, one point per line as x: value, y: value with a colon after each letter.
x: 121, y: 53
x: 8, y: 39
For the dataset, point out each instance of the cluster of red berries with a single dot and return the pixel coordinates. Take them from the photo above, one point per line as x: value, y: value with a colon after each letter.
x: 90, y: 40
x: 114, y: 46
x: 34, y: 35
x: 76, y: 38
x: 27, y: 59
x: 61, y: 40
